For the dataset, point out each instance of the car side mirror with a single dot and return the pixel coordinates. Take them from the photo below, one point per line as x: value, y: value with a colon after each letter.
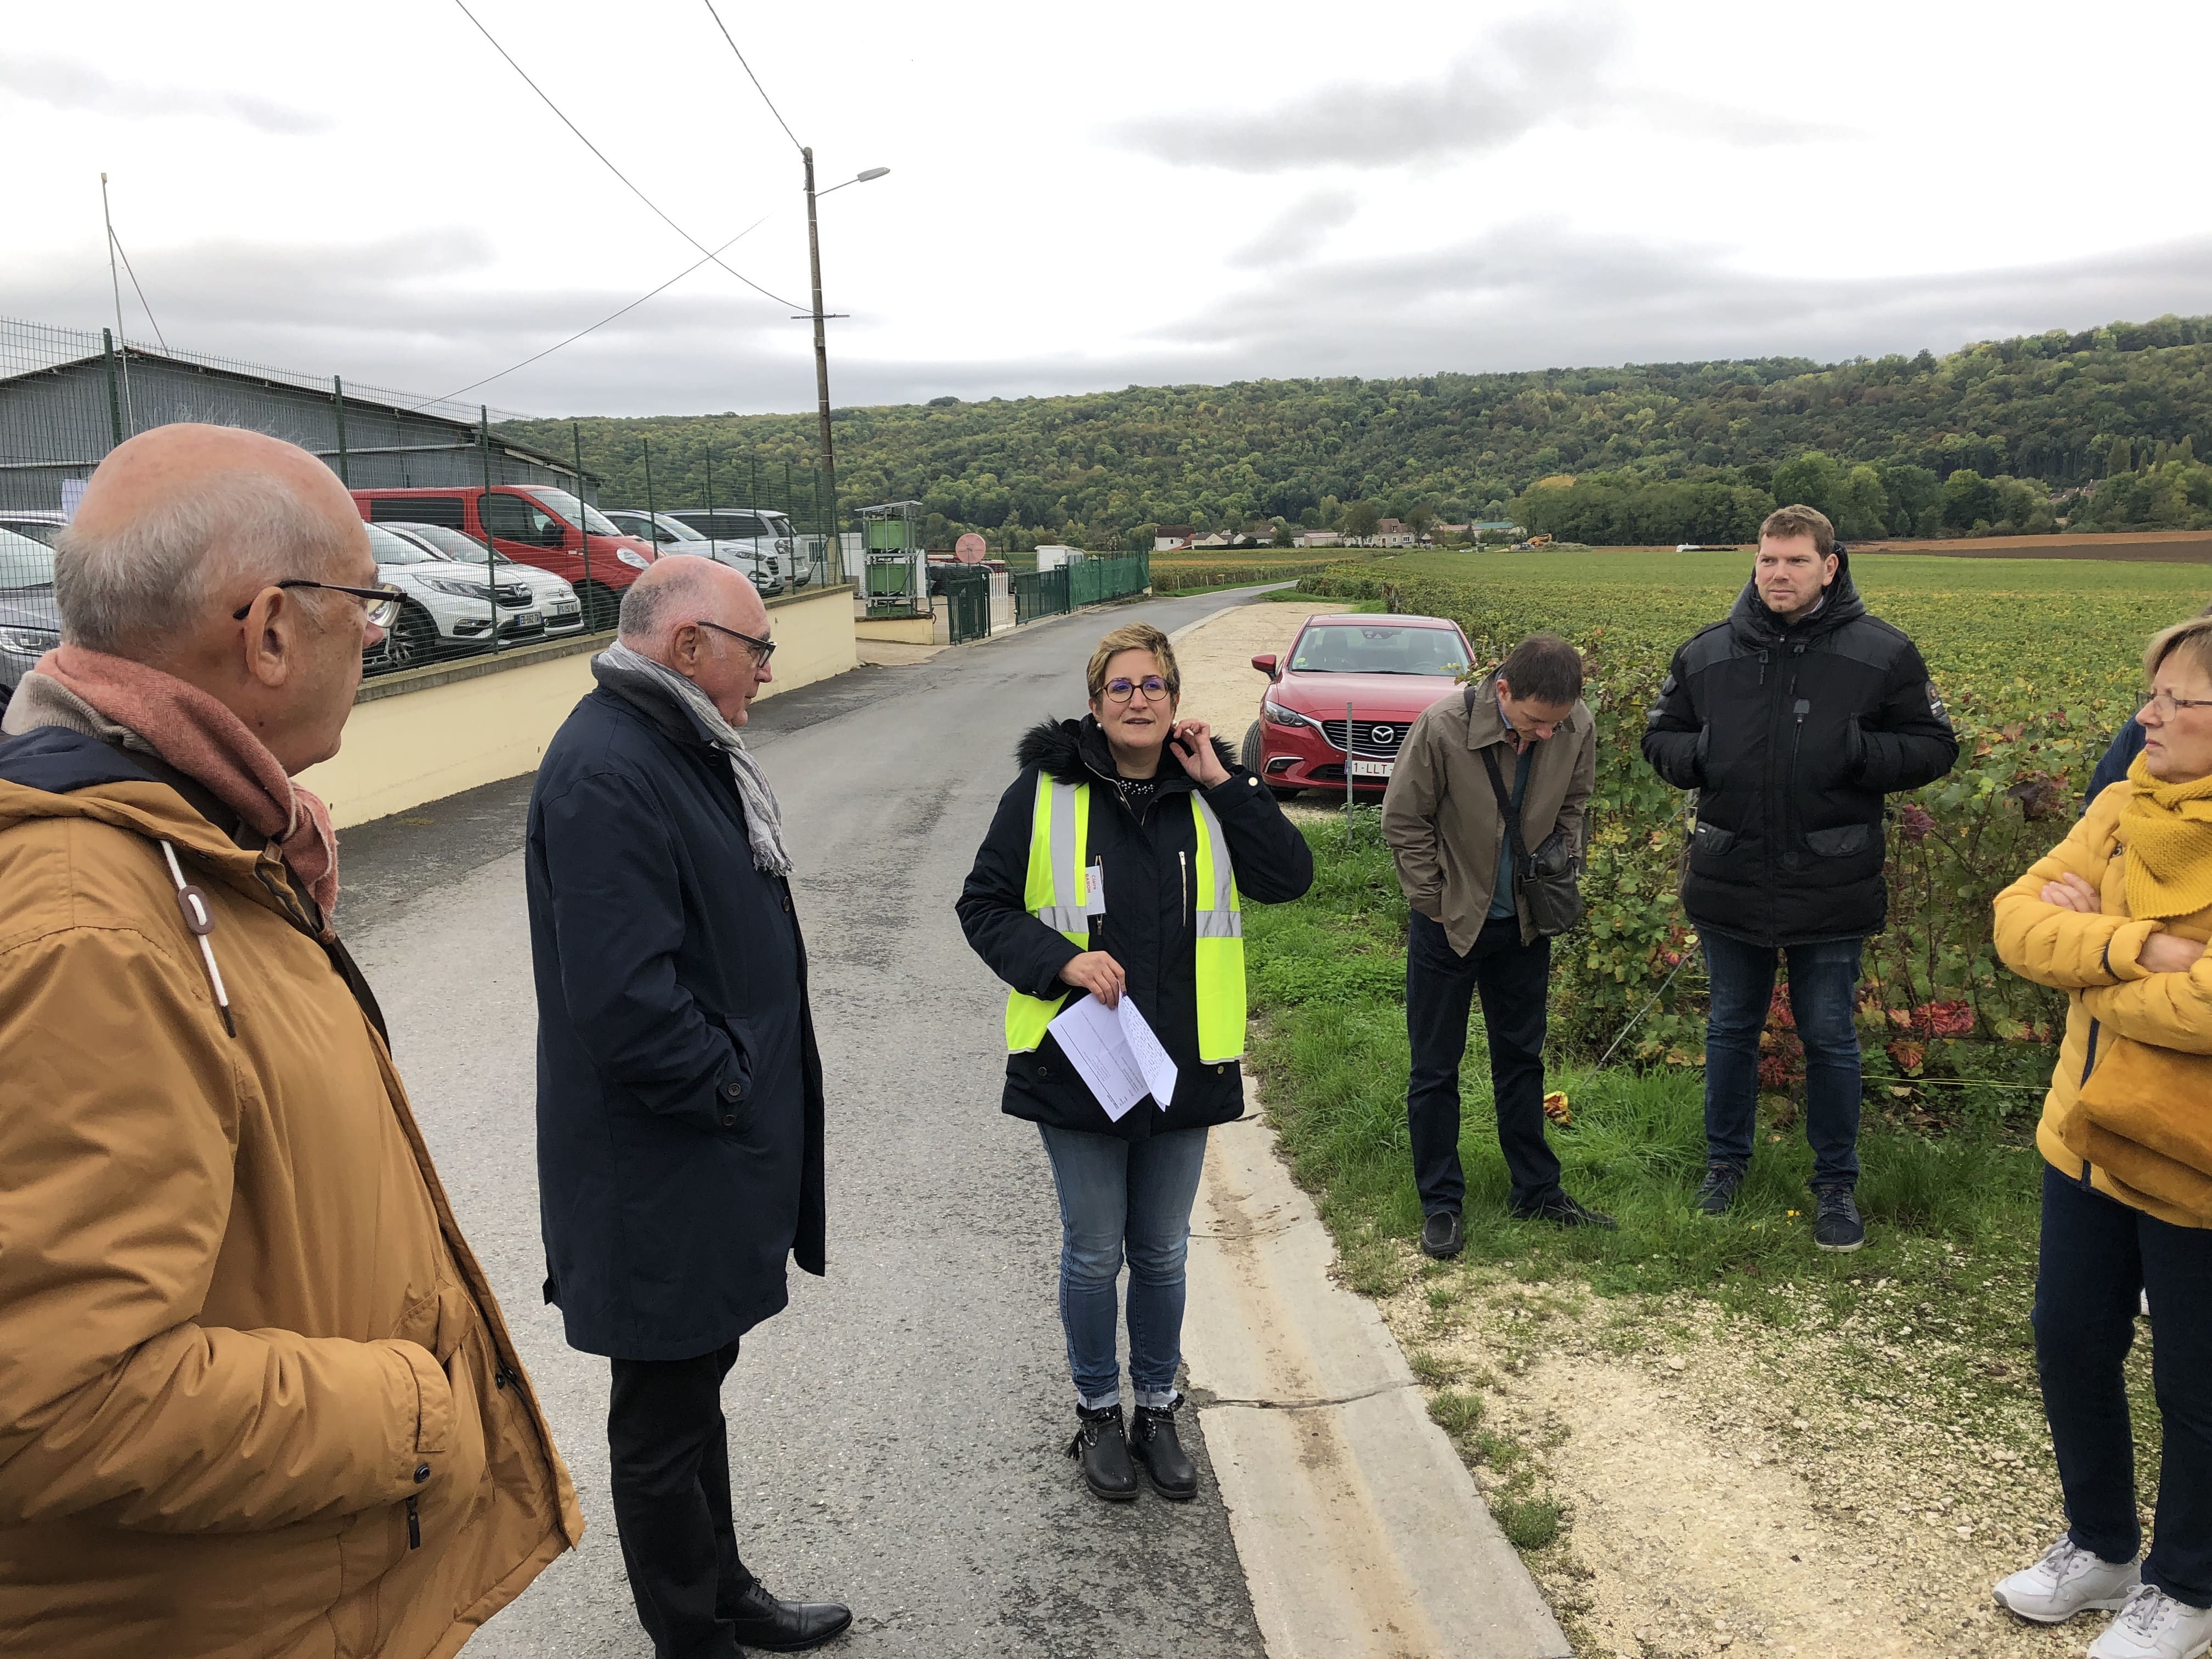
x: 1265, y: 664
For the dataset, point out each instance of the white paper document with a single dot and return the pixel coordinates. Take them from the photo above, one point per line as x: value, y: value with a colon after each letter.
x: 1116, y: 1054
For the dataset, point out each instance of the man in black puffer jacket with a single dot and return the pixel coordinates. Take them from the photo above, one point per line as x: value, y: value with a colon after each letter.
x: 1792, y: 719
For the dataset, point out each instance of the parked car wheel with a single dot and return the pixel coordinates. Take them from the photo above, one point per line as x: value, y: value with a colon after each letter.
x: 602, y: 604
x: 413, y: 640
x: 1250, y: 758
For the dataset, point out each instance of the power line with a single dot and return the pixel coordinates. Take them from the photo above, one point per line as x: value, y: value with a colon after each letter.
x: 603, y: 321
x: 134, y: 289
x: 755, y: 79
x: 611, y: 168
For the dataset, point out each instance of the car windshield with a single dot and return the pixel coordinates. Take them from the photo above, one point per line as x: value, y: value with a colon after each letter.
x: 24, y: 562
x: 1378, y: 648
x: 35, y: 529
x: 776, y: 525
x: 396, y: 550
x: 454, y: 544
x: 677, y: 528
x: 568, y: 506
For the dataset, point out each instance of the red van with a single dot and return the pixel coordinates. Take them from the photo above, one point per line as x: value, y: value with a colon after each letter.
x: 532, y: 524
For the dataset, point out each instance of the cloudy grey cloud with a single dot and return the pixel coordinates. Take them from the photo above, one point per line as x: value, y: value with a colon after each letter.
x: 1524, y: 76
x: 72, y: 86
x: 1294, y: 231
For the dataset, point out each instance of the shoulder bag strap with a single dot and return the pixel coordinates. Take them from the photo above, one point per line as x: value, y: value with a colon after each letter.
x: 1517, y: 847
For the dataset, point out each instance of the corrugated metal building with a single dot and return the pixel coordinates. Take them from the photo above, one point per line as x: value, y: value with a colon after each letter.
x: 67, y: 396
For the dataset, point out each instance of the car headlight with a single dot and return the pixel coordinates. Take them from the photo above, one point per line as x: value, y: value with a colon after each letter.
x: 635, y: 561
x: 31, y: 641
x: 457, y: 586
x: 1275, y: 715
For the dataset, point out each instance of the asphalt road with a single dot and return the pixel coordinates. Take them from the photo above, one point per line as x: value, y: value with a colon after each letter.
x: 896, y: 1433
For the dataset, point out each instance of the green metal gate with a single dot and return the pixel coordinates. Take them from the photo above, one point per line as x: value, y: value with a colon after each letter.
x: 967, y: 606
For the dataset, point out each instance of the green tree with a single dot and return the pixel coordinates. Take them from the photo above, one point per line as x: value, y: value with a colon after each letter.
x: 2119, y: 458
x: 1359, y: 519
x: 1284, y: 536
x: 1813, y: 479
x: 1419, y: 518
x: 1968, y: 499
x: 1860, y: 505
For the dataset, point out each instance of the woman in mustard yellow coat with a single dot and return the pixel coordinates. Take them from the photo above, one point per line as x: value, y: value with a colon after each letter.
x: 2117, y: 917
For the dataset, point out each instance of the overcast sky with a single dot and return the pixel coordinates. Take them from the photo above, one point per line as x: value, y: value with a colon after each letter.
x: 1083, y: 198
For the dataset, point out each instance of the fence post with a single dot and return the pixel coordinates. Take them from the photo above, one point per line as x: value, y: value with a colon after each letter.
x: 114, y: 398
x: 713, y: 524
x: 1348, y: 774
x: 591, y: 622
x: 491, y: 556
x: 651, y: 512
x: 337, y: 407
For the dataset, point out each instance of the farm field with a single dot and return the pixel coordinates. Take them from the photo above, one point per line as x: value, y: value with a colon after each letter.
x: 1851, y: 1445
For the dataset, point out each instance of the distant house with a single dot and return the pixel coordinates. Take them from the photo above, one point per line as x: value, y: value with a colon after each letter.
x: 1449, y: 529
x: 1168, y: 537
x: 1219, y: 538
x: 1486, y: 526
x: 1392, y: 532
x: 1319, y: 539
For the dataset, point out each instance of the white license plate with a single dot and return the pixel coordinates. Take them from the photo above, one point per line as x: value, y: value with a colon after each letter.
x: 563, y: 608
x: 1361, y: 768
x: 527, y: 619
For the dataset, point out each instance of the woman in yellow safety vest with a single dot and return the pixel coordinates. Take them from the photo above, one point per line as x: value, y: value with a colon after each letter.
x: 1115, y: 871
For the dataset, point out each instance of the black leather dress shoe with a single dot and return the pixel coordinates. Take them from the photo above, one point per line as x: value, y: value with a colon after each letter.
x: 1101, y: 1446
x: 1152, y: 1442
x: 1441, y: 1236
x: 763, y: 1622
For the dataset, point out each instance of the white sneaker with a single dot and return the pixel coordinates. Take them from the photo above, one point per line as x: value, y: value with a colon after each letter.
x: 2068, y: 1580
x: 2154, y: 1625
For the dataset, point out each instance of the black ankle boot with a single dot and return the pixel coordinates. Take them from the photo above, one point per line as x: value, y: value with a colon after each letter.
x: 1103, y: 1446
x: 1153, y: 1439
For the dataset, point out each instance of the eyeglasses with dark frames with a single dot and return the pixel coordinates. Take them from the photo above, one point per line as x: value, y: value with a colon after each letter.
x: 762, y: 649
x: 382, y: 604
x: 1153, y: 687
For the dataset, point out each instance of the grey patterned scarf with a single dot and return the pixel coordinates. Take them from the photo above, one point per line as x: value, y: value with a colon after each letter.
x: 764, y: 818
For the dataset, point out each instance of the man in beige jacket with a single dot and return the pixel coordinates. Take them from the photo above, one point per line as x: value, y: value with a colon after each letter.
x: 256, y: 1398
x: 1471, y: 930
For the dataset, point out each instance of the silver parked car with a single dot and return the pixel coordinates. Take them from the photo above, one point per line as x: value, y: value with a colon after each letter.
x: 449, y: 606
x: 671, y: 533
x: 554, y: 599
x: 30, y: 626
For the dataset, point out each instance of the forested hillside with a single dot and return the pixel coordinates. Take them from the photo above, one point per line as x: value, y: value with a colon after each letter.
x: 2097, y: 430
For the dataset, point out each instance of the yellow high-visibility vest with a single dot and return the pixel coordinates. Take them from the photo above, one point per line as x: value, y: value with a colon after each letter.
x: 1059, y: 892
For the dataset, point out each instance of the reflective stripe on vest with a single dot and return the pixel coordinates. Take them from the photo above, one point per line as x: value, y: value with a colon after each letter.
x: 1219, y: 951
x: 1057, y: 892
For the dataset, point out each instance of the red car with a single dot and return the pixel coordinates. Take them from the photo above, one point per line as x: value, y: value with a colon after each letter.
x: 534, y: 525
x: 1386, y: 669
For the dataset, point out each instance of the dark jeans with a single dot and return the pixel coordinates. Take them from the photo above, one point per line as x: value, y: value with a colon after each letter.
x: 1441, y: 986
x: 1823, y: 987
x: 2096, y: 1257
x: 672, y: 1492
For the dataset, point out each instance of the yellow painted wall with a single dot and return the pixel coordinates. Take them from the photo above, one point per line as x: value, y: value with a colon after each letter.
x: 420, y: 745
x: 900, y: 630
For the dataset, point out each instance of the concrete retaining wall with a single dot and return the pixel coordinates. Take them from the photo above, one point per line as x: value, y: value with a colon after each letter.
x: 433, y: 731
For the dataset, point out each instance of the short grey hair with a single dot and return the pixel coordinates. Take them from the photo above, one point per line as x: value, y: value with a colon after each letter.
x: 645, y: 616
x: 128, y: 590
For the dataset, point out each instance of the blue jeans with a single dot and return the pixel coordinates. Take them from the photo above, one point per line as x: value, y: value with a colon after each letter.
x: 1124, y: 1197
x: 1823, y: 987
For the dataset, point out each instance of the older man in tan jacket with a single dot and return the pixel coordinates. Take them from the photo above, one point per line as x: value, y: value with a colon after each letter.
x: 255, y: 1395
x: 1524, y: 730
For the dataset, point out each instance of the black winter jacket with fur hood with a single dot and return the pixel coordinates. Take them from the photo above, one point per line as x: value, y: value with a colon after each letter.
x: 1150, y: 855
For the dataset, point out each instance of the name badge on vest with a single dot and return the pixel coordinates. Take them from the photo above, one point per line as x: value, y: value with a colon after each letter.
x: 1094, y: 891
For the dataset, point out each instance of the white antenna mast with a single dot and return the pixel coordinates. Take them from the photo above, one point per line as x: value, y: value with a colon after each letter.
x: 130, y: 415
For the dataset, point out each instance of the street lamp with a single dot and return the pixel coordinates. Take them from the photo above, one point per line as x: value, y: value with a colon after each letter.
x: 820, y: 340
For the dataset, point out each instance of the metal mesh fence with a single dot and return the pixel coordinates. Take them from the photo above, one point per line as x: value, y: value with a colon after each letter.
x: 491, y: 527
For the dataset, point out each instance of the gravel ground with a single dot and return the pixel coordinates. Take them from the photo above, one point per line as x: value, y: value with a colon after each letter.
x: 1845, y: 1481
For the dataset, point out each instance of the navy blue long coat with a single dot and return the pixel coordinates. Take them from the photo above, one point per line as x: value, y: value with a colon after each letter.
x: 679, y: 1090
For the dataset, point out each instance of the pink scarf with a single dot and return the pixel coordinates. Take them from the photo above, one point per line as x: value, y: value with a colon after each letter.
x: 206, y: 742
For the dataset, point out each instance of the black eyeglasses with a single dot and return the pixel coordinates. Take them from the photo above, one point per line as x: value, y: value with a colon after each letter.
x: 382, y: 604
x: 762, y: 649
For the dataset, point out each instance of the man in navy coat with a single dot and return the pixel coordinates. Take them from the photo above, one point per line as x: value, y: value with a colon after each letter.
x: 679, y: 1090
